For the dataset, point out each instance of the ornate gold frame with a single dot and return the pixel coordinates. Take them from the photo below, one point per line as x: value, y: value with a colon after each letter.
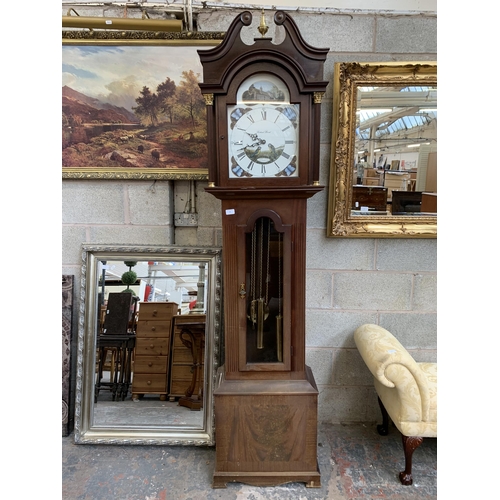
x: 134, y: 38
x: 347, y: 76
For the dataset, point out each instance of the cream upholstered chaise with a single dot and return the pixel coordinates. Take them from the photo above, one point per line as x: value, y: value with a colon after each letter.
x: 407, y: 390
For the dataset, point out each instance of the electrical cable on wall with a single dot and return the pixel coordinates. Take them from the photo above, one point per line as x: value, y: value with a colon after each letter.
x: 189, y: 217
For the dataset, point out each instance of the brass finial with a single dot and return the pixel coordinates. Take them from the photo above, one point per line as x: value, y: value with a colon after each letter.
x: 262, y: 27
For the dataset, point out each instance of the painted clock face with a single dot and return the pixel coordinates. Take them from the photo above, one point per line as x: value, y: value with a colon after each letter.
x: 263, y: 131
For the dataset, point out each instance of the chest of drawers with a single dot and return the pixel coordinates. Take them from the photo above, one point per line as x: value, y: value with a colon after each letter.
x: 152, y: 348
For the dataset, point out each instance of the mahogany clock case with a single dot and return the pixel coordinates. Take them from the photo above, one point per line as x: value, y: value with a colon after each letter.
x: 265, y: 396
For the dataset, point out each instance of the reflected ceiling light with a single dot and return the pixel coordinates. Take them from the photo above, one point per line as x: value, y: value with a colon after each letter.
x: 375, y: 110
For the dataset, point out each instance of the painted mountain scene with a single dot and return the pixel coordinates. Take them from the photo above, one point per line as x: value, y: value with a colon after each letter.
x: 132, y: 107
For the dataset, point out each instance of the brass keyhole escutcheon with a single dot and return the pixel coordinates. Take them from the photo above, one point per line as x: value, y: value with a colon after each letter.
x: 242, y: 291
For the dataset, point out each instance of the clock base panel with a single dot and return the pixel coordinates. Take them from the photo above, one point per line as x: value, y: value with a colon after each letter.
x: 266, y: 432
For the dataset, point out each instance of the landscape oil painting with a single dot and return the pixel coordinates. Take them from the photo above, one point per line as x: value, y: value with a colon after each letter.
x: 133, y: 112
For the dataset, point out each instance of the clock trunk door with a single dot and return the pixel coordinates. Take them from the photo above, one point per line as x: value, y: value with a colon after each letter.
x: 264, y: 306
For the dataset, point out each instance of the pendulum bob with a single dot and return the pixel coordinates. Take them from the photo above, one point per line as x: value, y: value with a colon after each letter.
x: 259, y: 312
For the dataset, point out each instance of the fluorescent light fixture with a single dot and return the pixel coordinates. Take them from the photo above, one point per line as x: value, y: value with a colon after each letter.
x: 375, y: 110
x: 417, y: 145
x: 376, y: 150
x: 428, y: 110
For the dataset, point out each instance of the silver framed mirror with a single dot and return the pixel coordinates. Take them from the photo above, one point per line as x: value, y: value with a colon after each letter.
x: 111, y: 407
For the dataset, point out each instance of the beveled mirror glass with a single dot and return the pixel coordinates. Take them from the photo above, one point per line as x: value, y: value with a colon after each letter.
x: 148, y: 345
x: 383, y: 174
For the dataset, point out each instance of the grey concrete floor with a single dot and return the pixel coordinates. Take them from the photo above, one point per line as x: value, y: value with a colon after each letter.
x: 355, y: 463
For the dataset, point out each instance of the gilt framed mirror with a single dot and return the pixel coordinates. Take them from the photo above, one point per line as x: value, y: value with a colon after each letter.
x: 148, y: 345
x: 383, y: 173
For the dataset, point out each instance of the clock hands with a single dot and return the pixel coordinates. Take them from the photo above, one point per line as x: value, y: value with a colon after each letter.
x: 254, y: 145
x: 254, y: 137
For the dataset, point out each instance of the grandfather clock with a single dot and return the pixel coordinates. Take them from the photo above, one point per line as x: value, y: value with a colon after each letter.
x: 263, y: 112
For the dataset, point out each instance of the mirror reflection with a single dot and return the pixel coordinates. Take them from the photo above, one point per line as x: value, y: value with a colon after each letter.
x: 395, y: 151
x: 148, y: 345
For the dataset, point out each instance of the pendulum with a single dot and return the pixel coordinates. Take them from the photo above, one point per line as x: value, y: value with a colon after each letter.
x: 260, y: 323
x: 279, y: 317
x: 259, y: 309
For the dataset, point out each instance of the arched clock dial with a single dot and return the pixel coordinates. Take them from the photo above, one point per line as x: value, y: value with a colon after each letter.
x: 263, y: 140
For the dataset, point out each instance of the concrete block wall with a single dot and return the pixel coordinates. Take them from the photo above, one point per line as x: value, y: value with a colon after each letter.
x: 390, y: 282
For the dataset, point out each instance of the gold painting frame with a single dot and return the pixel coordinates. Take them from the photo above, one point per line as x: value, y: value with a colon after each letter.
x: 341, y: 223
x: 123, y: 39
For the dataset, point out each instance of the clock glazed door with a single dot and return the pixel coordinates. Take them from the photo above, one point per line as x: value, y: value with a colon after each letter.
x: 264, y: 273
x: 264, y: 305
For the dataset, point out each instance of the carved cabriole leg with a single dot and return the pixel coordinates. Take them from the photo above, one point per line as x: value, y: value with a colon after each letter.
x: 410, y: 444
x: 383, y: 429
